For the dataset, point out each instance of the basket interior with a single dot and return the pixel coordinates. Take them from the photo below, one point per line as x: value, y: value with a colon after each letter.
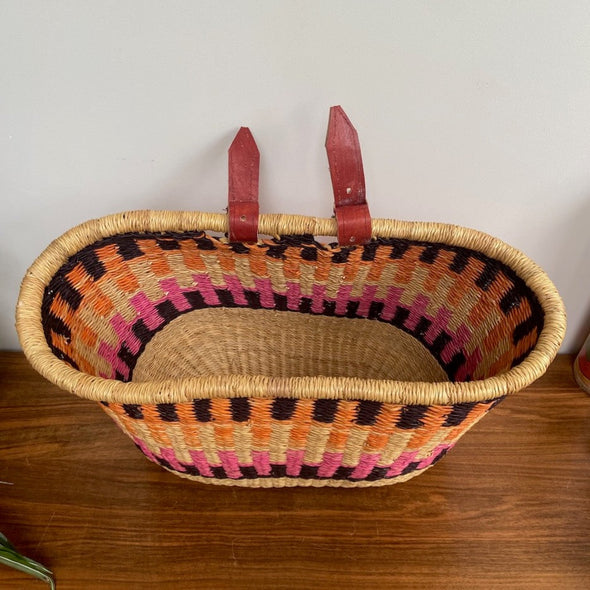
x: 145, y: 306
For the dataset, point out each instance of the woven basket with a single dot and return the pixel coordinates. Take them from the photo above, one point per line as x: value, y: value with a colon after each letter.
x: 285, y: 361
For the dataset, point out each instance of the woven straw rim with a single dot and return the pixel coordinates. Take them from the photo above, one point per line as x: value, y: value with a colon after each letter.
x: 35, y: 347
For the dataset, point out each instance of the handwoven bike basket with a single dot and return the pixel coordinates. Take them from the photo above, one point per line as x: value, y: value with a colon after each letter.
x: 286, y: 361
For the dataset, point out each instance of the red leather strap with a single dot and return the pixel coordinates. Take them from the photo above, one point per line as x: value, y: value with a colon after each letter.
x: 348, y: 180
x: 244, y: 162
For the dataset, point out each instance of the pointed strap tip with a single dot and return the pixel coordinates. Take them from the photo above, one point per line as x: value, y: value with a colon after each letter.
x: 243, y: 164
x: 348, y: 179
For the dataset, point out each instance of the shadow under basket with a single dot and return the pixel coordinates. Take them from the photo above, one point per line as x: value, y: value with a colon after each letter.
x: 287, y: 361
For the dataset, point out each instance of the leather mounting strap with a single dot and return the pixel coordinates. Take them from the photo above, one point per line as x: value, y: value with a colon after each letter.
x: 243, y: 168
x: 348, y: 180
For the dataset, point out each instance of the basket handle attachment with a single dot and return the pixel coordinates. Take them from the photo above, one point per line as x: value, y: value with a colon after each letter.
x: 243, y: 168
x: 348, y: 180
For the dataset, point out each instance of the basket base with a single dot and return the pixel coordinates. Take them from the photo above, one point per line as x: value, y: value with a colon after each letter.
x: 226, y: 341
x: 291, y: 482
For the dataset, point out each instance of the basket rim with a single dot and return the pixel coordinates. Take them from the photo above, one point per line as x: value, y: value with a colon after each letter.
x: 42, y: 359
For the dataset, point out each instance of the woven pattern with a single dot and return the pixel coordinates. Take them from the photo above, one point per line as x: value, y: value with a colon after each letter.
x: 287, y: 361
x: 295, y: 441
x: 168, y: 305
x: 471, y: 312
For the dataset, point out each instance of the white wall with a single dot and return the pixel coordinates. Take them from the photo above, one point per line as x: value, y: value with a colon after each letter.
x: 470, y: 112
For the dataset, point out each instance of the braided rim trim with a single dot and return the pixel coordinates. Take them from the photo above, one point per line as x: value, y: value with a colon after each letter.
x: 30, y: 330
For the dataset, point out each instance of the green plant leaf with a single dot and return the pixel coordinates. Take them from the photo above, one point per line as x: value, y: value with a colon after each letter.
x: 12, y: 558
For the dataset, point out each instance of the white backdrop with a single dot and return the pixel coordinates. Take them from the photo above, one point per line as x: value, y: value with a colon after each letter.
x: 475, y: 113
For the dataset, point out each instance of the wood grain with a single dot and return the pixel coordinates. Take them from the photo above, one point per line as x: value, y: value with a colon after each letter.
x: 509, y: 507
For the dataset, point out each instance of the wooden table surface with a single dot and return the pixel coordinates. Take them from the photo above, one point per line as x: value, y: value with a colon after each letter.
x: 509, y: 507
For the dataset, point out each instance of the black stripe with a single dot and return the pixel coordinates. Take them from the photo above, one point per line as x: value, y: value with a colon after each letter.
x: 367, y: 412
x: 460, y: 261
x: 430, y: 253
x: 133, y: 411
x: 168, y: 244
x: 398, y: 248
x: 195, y: 299
x: 283, y: 408
x: 454, y: 365
x: 488, y: 275
x: 411, y: 417
x: 92, y: 264
x: 202, y: 410
x: 459, y: 413
x: 128, y: 248
x: 56, y: 325
x: 240, y: 409
x: 167, y: 310
x: 168, y: 412
x: 324, y: 410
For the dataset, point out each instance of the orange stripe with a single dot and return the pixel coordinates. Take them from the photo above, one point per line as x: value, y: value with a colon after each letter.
x: 86, y: 335
x: 343, y: 422
x: 222, y: 424
x: 438, y: 270
x: 407, y: 265
x: 352, y: 266
x: 118, y: 270
x: 478, y: 412
x: 292, y: 263
x: 227, y: 258
x: 80, y: 280
x: 377, y: 266
x: 260, y: 411
x: 464, y: 282
x: 101, y: 304
x: 258, y: 262
x: 157, y: 260
x: 323, y: 267
x: 434, y: 419
x: 383, y: 429
x: 191, y: 256
x: 189, y: 427
x: 154, y: 423
x: 301, y: 424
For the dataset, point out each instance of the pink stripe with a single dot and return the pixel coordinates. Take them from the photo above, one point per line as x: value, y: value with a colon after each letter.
x: 439, y: 324
x: 365, y: 466
x: 261, y: 460
x: 294, y: 462
x: 264, y: 288
x: 235, y: 288
x: 144, y: 449
x: 169, y: 455
x: 391, y: 302
x: 293, y: 296
x: 146, y: 311
x: 110, y: 354
x: 123, y: 330
x: 367, y: 298
x: 201, y: 463
x: 174, y: 294
x: 434, y: 455
x: 318, y: 293
x: 461, y: 337
x: 401, y: 463
x: 230, y: 463
x: 417, y: 311
x: 342, y: 299
x: 206, y: 289
x: 330, y: 462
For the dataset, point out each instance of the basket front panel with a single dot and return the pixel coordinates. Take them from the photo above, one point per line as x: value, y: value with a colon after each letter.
x: 472, y: 313
x: 241, y: 439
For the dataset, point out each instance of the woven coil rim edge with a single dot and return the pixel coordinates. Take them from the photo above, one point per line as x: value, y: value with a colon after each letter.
x: 42, y: 359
